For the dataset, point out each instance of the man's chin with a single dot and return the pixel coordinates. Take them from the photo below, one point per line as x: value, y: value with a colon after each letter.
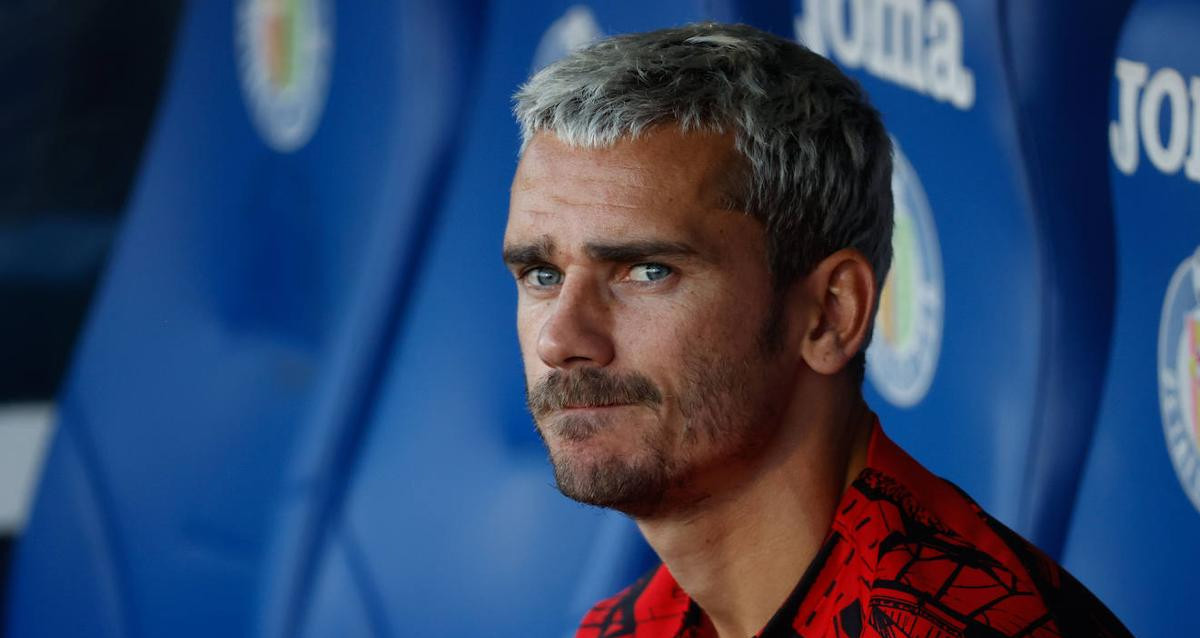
x: 613, y: 483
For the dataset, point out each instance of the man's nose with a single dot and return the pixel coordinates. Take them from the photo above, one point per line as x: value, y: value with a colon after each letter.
x: 577, y: 331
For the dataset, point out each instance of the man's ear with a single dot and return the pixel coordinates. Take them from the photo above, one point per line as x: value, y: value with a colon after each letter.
x: 841, y: 291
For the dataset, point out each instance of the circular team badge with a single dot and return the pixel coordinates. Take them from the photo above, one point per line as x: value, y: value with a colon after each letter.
x: 1179, y: 373
x: 284, y: 49
x: 575, y: 29
x: 903, y: 355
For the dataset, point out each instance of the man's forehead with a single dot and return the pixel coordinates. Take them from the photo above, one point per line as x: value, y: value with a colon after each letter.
x: 662, y: 187
x: 664, y: 160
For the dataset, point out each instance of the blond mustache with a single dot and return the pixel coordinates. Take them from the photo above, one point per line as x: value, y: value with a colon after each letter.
x: 589, y: 387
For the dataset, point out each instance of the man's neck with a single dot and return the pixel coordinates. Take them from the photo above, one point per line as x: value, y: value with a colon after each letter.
x: 740, y: 551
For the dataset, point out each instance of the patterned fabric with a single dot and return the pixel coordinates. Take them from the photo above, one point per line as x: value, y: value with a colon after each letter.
x: 908, y: 554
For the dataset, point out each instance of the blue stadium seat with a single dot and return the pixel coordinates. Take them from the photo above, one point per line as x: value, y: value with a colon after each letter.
x: 1134, y: 534
x: 451, y: 510
x: 989, y: 347
x: 220, y: 381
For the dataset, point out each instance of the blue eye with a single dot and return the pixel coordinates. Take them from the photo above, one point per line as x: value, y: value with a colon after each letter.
x: 542, y: 276
x: 649, y: 272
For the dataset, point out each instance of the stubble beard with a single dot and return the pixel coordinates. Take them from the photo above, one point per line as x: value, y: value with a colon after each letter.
x: 725, y: 415
x: 633, y: 486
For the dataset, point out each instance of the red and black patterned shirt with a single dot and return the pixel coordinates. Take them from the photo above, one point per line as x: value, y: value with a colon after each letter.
x: 908, y: 554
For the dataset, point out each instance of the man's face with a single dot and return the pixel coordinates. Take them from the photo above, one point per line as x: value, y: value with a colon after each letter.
x: 643, y: 314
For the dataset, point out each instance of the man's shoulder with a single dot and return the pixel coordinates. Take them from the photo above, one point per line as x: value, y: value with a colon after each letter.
x: 932, y: 558
x: 908, y: 554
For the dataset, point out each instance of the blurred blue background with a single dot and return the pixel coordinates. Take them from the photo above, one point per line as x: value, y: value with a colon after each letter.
x: 259, y: 375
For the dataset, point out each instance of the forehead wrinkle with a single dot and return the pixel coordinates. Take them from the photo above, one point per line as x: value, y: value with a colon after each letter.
x: 596, y: 194
x: 599, y: 204
x: 709, y: 163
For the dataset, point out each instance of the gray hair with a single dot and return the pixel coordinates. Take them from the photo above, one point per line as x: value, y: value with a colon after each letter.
x: 818, y: 161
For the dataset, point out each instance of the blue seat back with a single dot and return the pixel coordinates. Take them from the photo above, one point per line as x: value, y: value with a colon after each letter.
x: 1133, y: 537
x: 977, y: 365
x: 286, y: 189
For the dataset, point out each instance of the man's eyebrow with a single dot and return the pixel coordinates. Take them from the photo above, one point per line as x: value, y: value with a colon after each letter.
x: 536, y: 252
x: 625, y: 252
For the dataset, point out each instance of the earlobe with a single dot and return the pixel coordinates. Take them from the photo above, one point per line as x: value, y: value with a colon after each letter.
x: 842, y: 289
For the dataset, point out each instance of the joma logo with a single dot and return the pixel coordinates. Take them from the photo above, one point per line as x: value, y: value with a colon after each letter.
x: 1141, y: 98
x: 915, y: 44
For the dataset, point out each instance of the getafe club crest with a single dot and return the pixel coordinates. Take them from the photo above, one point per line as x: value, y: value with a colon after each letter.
x: 1179, y: 373
x: 284, y: 50
x: 904, y: 350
